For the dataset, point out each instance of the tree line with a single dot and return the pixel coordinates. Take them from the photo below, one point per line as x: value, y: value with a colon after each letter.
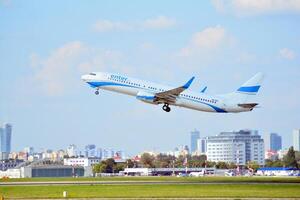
x: 167, y: 161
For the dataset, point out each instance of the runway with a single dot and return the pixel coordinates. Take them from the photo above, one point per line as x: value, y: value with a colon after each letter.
x: 40, y: 183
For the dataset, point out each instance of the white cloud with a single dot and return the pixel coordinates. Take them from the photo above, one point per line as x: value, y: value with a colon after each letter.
x: 252, y: 7
x: 160, y: 22
x: 61, y: 70
x: 287, y: 53
x: 107, y: 25
x: 210, y: 38
x: 53, y: 73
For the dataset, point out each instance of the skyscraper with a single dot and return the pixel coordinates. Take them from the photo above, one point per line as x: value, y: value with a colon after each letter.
x: 275, y: 142
x: 5, y: 137
x: 90, y: 150
x: 201, y: 145
x: 296, y: 139
x: 195, y: 135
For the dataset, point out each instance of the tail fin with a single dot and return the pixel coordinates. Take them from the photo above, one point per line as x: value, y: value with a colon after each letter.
x: 252, y: 85
x: 249, y: 88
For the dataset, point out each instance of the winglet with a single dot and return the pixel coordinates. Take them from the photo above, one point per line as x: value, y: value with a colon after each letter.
x: 204, y: 89
x: 187, y: 85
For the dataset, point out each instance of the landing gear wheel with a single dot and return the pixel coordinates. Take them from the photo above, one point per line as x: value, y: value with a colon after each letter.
x: 96, y: 92
x: 166, y: 108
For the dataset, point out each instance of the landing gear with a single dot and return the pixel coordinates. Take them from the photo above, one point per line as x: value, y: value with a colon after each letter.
x: 97, y: 92
x: 166, y: 108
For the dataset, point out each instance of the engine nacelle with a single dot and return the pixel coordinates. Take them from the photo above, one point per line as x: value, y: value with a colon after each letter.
x: 146, y: 97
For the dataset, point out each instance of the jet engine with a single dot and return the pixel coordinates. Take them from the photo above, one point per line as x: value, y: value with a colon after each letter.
x: 146, y: 97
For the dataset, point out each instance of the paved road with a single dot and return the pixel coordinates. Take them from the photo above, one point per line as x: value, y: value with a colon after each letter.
x: 138, y: 183
x: 133, y: 198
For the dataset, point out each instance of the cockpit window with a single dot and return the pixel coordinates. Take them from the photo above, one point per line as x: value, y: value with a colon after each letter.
x: 93, y: 74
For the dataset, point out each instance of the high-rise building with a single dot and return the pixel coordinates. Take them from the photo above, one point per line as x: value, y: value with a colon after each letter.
x: 90, y: 150
x: 195, y: 135
x: 296, y: 139
x: 236, y: 147
x: 202, y: 145
x: 5, y: 139
x: 275, y: 142
x: 99, y: 153
x: 107, y: 153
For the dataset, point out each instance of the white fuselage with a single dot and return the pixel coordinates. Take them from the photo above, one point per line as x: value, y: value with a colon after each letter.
x: 188, y: 99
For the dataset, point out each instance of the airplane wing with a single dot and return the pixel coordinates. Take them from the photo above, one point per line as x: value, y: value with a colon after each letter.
x: 170, y: 96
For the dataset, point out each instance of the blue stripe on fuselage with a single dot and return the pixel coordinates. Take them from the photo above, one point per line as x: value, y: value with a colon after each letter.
x: 217, y: 109
x: 99, y: 84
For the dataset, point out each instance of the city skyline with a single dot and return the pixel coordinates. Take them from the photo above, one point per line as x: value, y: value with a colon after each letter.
x: 194, y: 139
x: 47, y: 46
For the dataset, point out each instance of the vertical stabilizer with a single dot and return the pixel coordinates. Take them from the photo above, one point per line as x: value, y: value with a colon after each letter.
x: 249, y: 88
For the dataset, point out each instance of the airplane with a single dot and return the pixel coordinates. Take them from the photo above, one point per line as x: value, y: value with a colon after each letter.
x: 156, y: 94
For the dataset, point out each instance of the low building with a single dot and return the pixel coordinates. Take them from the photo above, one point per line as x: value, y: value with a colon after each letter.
x: 84, y: 162
x: 271, y: 155
x: 9, y: 164
x: 53, y: 171
x: 11, y: 173
x: 278, y: 171
x: 163, y: 171
x: 137, y: 171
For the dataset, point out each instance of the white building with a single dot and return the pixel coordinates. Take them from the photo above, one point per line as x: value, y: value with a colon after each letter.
x: 137, y: 171
x: 84, y: 162
x: 28, y: 150
x: 11, y: 173
x: 72, y: 150
x: 282, y: 153
x: 296, y: 139
x: 236, y: 147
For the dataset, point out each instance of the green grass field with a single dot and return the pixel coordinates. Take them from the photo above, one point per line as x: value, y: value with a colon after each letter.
x: 232, y: 189
x: 173, y: 190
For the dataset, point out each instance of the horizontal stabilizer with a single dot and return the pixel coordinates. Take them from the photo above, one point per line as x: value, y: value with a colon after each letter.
x: 248, y: 105
x: 204, y: 89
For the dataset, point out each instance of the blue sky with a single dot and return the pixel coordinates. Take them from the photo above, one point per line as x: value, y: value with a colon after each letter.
x: 45, y: 46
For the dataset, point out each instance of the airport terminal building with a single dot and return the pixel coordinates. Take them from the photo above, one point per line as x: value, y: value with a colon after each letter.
x: 236, y: 147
